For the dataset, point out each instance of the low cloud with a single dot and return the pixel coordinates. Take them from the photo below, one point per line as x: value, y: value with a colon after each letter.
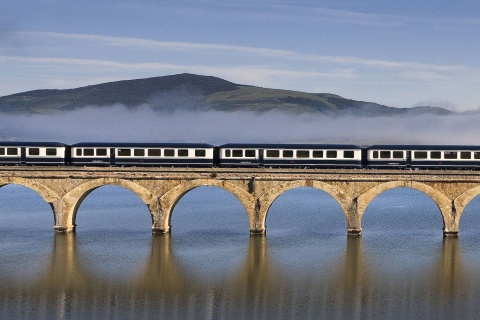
x: 117, y: 124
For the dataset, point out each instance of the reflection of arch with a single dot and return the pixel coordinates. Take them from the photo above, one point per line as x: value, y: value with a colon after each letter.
x: 352, y: 280
x: 258, y: 282
x: 64, y: 272
x: 449, y: 284
x: 69, y: 274
x: 267, y: 199
x: 73, y: 199
x: 170, y: 199
x: 45, y: 192
x: 162, y: 274
x: 443, y: 203
x: 463, y: 200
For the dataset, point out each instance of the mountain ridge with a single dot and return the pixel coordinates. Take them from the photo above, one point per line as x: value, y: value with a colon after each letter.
x: 192, y: 92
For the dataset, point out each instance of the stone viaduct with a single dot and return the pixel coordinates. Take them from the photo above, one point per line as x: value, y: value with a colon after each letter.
x: 64, y: 188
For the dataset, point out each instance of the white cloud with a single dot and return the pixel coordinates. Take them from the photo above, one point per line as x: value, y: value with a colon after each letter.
x: 82, y: 62
x: 348, y: 16
x: 139, y: 43
x: 147, y: 44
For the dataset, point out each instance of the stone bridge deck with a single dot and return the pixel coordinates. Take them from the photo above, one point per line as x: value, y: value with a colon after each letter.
x: 64, y: 188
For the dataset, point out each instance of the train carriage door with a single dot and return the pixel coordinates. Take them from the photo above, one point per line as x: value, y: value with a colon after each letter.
x: 364, y: 157
x: 408, y: 159
x: 216, y: 156
x: 23, y: 155
x: 260, y: 157
x: 112, y: 156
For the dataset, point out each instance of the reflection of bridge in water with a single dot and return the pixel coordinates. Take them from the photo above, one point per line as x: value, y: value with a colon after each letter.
x: 258, y: 288
x: 64, y: 188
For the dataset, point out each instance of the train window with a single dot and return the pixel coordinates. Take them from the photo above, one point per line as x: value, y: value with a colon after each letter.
x: 169, y: 153
x: 288, y: 153
x: 154, y: 152
x: 124, y: 152
x: 12, y: 151
x: 435, y: 155
x: 450, y: 155
x: 385, y: 154
x: 348, y: 154
x: 398, y: 154
x: 2, y: 151
x: 139, y: 152
x: 88, y: 152
x: 237, y: 153
x: 33, y: 151
x: 250, y: 153
x: 317, y: 154
x: 375, y: 154
x: 465, y: 155
x: 78, y: 152
x: 303, y: 154
x: 420, y: 154
x: 183, y: 152
x: 51, y: 152
x: 200, y: 153
x: 228, y: 153
x: 476, y: 155
x: 101, y: 152
x: 331, y: 153
x: 273, y: 153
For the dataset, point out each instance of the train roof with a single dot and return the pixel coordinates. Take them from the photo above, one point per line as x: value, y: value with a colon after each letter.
x: 423, y: 147
x: 139, y: 145
x: 31, y: 144
x: 289, y: 146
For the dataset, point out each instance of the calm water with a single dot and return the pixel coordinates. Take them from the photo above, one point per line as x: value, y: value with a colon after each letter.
x: 210, y: 268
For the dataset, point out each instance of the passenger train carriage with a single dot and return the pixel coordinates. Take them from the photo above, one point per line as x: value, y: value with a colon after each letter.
x: 423, y: 156
x: 290, y: 155
x: 143, y: 154
x: 34, y: 153
x: 241, y: 155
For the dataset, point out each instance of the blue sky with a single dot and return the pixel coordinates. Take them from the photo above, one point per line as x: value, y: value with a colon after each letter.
x: 399, y: 53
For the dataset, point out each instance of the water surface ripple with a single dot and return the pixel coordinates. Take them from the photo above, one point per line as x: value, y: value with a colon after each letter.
x: 211, y: 268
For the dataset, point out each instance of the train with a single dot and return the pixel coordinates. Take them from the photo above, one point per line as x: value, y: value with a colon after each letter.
x: 235, y: 155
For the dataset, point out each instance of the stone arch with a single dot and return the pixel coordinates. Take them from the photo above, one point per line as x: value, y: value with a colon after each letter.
x: 443, y: 203
x: 170, y: 199
x: 463, y: 200
x: 267, y: 199
x: 73, y: 199
x: 47, y: 194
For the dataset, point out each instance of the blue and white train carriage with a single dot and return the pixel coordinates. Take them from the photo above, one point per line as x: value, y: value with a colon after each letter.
x: 34, y: 153
x: 423, y: 156
x: 143, y: 154
x: 291, y: 155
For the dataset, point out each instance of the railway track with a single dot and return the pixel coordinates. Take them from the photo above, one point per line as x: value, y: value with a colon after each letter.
x: 69, y: 170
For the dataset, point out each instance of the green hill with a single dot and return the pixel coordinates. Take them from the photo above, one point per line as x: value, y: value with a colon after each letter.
x: 195, y: 92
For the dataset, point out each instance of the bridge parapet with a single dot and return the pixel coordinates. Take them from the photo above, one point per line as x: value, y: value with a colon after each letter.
x: 64, y: 188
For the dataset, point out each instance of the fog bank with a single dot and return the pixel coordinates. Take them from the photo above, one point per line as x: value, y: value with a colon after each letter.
x: 117, y: 123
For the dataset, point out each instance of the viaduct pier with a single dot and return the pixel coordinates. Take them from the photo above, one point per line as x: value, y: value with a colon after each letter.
x: 64, y: 188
